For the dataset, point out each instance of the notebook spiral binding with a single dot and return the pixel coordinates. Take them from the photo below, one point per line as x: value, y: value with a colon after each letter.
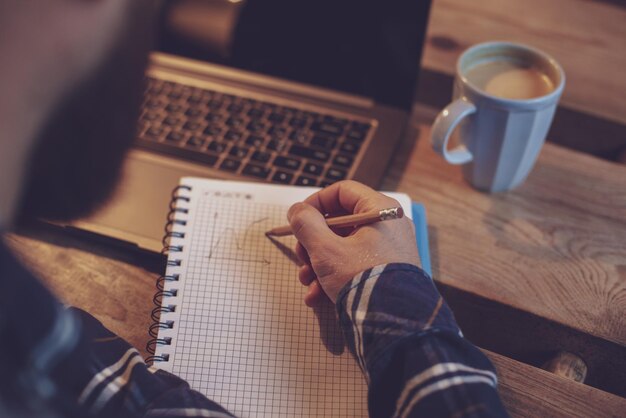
x: 173, y: 231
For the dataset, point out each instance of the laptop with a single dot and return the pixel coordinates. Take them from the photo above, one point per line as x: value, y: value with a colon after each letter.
x: 303, y: 93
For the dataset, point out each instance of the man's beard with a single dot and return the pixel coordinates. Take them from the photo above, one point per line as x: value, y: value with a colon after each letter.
x: 78, y: 157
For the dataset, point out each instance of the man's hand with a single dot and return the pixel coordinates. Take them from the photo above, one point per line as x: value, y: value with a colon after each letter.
x: 331, y: 259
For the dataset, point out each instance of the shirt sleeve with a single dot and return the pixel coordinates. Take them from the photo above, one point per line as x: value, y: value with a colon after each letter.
x: 59, y: 361
x: 413, y: 355
x: 118, y: 382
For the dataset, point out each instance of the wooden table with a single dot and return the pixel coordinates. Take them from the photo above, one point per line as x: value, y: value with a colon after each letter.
x: 528, y: 273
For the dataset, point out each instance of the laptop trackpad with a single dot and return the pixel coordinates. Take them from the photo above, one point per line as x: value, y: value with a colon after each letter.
x: 137, y: 212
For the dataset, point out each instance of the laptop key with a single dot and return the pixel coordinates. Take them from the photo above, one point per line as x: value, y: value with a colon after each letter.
x: 350, y: 147
x: 174, y: 136
x: 335, y: 174
x: 150, y: 116
x: 255, y: 141
x: 343, y: 160
x: 206, y: 159
x: 255, y: 126
x: 175, y: 94
x: 195, y: 142
x: 323, y: 141
x: 335, y: 120
x: 327, y: 127
x: 276, y: 117
x: 310, y: 153
x: 282, y: 177
x: 239, y: 152
x: 193, y: 155
x: 286, y: 162
x: 261, y: 156
x: 299, y: 136
x: 276, y: 145
x: 313, y: 169
x: 235, y: 122
x: 213, y: 117
x: 235, y: 108
x: 217, y: 147
x: 153, y: 104
x: 256, y: 113
x: 154, y: 132
x: 356, y: 135
x: 233, y: 136
x: 214, y: 104
x: 230, y: 164
x: 297, y: 122
x: 305, y: 181
x: 212, y: 130
x: 191, y: 126
x: 326, y: 183
x: 256, y: 171
x: 193, y: 112
x: 171, y: 121
x: 195, y: 99
x: 174, y: 108
x: 277, y: 131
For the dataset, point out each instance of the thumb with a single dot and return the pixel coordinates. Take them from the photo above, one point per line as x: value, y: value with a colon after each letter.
x: 309, y: 225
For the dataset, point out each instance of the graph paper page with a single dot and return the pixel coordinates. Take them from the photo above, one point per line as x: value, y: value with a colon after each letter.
x: 241, y: 333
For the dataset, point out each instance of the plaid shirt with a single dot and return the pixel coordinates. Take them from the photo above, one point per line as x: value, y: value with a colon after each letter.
x: 63, y: 362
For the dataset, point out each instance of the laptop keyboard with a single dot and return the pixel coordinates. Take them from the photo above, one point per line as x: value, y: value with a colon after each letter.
x: 248, y: 137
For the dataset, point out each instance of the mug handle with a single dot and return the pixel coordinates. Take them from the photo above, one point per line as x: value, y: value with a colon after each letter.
x: 444, y: 125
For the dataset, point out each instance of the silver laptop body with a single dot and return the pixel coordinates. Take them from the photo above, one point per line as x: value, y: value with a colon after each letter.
x: 136, y: 214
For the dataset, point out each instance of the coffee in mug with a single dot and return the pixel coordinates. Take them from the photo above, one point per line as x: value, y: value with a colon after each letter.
x: 505, y: 96
x: 509, y: 79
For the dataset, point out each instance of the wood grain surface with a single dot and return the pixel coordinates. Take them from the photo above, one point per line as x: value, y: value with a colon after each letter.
x: 555, y: 247
x: 106, y: 282
x: 109, y: 285
x: 534, y: 271
x: 531, y: 393
x: 588, y: 38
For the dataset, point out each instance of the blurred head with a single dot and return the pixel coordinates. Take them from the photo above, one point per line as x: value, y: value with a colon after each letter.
x: 77, y: 154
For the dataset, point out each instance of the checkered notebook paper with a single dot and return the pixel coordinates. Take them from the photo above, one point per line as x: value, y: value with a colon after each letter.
x: 233, y: 322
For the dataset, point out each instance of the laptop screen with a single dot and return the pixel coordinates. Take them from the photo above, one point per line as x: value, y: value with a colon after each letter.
x: 363, y: 47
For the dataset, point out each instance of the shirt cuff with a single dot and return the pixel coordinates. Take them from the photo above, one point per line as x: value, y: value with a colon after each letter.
x: 383, y: 305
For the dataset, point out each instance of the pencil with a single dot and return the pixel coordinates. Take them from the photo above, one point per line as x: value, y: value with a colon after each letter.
x: 348, y: 220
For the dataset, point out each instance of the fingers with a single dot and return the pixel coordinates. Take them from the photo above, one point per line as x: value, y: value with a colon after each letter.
x: 349, y: 197
x: 314, y: 295
x: 302, y: 254
x: 306, y: 274
x: 309, y: 226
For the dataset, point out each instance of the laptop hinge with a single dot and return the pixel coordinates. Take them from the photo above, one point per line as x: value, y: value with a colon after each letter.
x: 232, y: 75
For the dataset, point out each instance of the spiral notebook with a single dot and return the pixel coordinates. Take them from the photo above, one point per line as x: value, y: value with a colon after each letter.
x: 230, y: 317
